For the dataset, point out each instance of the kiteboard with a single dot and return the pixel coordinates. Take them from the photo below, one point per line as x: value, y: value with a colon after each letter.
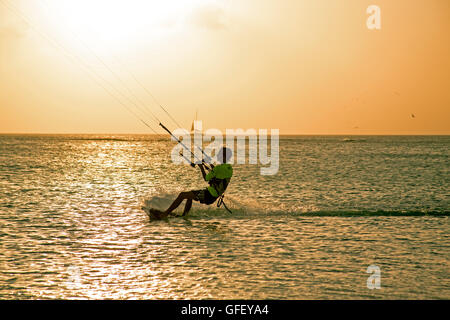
x: 153, y: 214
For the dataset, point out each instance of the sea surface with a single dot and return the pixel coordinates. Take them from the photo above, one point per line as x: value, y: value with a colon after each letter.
x: 71, y: 224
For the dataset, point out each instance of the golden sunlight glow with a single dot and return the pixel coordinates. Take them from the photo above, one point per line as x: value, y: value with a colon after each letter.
x: 116, y: 23
x: 310, y: 67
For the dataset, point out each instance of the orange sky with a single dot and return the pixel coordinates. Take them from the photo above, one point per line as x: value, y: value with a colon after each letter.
x: 304, y: 67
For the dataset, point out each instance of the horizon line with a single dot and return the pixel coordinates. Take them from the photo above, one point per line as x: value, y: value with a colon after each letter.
x: 284, y: 134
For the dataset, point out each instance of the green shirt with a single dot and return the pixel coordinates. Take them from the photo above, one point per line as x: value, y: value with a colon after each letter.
x: 218, y: 178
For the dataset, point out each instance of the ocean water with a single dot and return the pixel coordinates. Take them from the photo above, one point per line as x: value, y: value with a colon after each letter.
x: 71, y: 224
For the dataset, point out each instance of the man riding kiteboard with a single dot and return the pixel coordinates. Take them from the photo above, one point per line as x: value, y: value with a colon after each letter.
x: 218, y: 179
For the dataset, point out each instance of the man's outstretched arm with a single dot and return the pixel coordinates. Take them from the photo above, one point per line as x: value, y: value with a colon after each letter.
x: 202, y: 169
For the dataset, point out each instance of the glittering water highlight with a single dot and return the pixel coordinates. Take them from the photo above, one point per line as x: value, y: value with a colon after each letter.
x: 71, y: 225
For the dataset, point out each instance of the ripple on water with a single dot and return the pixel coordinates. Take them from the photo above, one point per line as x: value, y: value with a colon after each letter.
x: 71, y: 226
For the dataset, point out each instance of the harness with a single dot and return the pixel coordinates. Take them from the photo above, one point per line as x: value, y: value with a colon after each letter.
x: 220, y: 186
x: 214, y: 182
x: 221, y: 203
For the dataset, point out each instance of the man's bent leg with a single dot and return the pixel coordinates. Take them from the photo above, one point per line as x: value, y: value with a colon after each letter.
x: 183, y: 195
x: 187, y: 207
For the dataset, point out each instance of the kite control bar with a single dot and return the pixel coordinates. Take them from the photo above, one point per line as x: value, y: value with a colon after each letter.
x: 179, y: 141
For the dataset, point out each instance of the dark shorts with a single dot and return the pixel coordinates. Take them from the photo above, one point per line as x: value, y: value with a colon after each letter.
x: 203, y: 196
